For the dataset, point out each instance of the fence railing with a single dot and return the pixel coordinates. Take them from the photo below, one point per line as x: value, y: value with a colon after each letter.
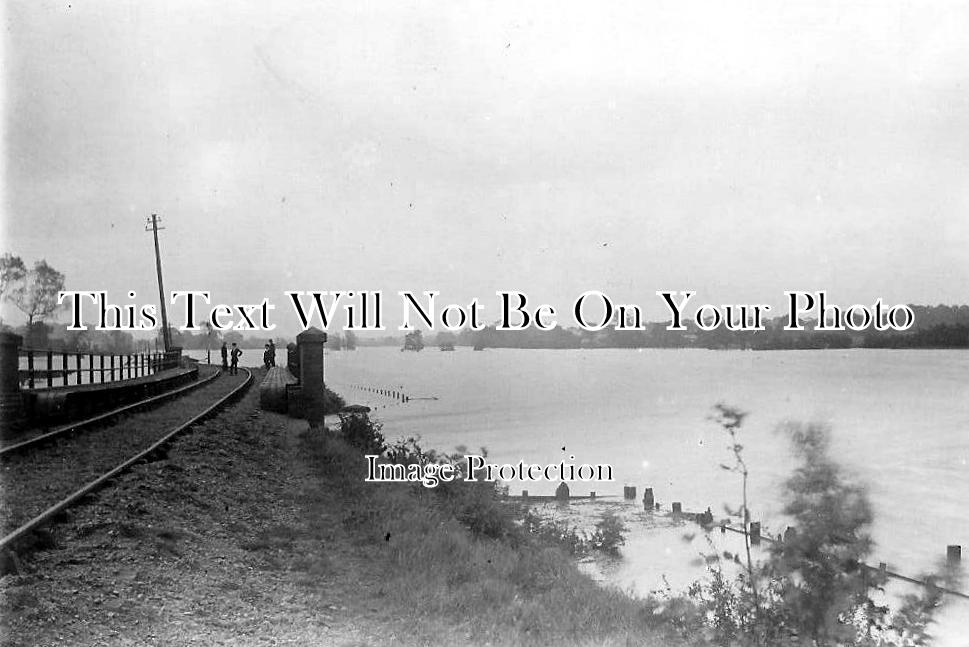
x: 41, y: 368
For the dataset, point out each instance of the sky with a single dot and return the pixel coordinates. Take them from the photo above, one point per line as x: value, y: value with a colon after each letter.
x: 736, y: 149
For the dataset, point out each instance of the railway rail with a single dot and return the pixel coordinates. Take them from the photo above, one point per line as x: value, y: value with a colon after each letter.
x: 10, y: 450
x: 12, y: 539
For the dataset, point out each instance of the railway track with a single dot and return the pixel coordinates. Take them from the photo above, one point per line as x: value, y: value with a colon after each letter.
x: 42, y: 484
x: 10, y: 450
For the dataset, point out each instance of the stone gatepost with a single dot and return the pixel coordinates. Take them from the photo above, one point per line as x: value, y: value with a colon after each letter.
x: 310, y: 344
x: 11, y: 401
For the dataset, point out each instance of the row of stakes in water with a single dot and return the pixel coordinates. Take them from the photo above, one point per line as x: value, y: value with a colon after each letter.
x: 953, y: 551
x: 389, y: 393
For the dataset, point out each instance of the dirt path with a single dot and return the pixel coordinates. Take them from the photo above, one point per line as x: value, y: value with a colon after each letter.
x: 228, y: 540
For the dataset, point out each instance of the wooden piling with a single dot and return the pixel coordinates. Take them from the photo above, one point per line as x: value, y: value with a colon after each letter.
x: 953, y: 554
x: 562, y: 492
x: 648, y: 500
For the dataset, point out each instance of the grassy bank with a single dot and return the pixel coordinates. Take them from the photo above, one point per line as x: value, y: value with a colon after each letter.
x: 459, y: 555
x: 253, y: 530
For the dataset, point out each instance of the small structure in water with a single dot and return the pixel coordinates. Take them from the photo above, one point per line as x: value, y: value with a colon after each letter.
x: 562, y: 492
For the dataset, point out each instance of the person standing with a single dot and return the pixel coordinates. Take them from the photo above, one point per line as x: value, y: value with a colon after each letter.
x: 272, y: 353
x: 225, y: 356
x: 236, y: 352
x: 267, y: 358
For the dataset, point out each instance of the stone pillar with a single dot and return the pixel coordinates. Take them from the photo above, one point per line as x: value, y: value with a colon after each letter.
x: 310, y: 343
x: 11, y: 402
x: 292, y: 359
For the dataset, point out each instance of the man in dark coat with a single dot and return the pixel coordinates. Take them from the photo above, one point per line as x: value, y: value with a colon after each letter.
x: 236, y: 352
x: 225, y: 356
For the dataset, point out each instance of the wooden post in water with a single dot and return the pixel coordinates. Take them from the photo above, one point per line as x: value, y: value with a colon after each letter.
x: 562, y: 492
x: 754, y: 533
x: 648, y: 500
x: 953, y: 554
x: 677, y: 507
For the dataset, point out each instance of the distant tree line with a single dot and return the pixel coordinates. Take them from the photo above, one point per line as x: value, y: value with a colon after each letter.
x: 935, y: 327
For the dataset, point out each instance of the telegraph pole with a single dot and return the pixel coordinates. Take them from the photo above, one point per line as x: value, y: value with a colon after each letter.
x: 166, y: 333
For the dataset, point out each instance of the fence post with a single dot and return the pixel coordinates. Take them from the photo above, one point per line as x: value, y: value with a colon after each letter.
x: 648, y: 499
x: 11, y: 402
x: 310, y: 344
x: 754, y: 533
x: 953, y: 554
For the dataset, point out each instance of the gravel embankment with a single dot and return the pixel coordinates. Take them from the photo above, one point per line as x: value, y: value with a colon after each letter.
x: 39, y: 477
x: 229, y: 540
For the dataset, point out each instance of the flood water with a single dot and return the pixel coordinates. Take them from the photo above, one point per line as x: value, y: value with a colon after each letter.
x: 899, y: 420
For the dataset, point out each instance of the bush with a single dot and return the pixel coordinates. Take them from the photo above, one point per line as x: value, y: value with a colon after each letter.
x: 609, y: 534
x: 553, y: 531
x: 814, y: 587
x: 332, y: 402
x: 516, y: 590
x: 363, y: 433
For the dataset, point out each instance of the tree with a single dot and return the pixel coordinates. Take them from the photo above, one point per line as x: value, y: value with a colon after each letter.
x: 732, y: 419
x: 814, y: 589
x: 35, y: 293
x: 12, y: 272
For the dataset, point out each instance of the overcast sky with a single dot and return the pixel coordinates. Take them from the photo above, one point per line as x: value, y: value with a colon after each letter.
x: 738, y: 149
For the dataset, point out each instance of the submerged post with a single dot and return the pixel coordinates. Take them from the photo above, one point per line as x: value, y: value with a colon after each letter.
x: 310, y: 343
x: 953, y: 554
x: 754, y: 533
x: 648, y: 500
x: 562, y: 492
